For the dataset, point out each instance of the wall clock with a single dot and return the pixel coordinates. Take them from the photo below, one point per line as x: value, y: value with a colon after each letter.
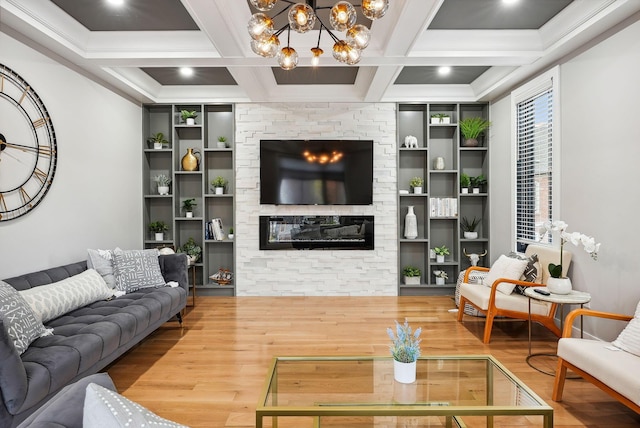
x: 28, y: 150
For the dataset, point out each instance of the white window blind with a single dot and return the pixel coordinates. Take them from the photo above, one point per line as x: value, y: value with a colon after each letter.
x: 534, y: 165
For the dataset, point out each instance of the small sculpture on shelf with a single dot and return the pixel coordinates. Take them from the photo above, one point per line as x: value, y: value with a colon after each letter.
x: 410, y: 142
x: 222, y: 277
x: 474, y: 258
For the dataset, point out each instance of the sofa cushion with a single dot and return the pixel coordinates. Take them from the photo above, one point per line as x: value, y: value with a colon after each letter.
x: 605, y: 362
x: 21, y: 323
x: 104, y: 408
x: 102, y: 262
x: 505, y: 267
x: 136, y: 269
x: 53, y: 300
x: 629, y: 338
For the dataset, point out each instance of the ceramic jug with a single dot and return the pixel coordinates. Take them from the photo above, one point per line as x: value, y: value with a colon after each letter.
x: 191, y: 161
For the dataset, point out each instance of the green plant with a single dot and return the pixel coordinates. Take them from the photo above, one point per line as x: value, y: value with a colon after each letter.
x: 472, y: 127
x: 186, y: 114
x: 157, y: 138
x: 411, y: 271
x: 162, y: 180
x: 416, y: 182
x: 441, y: 251
x: 440, y: 274
x: 469, y: 226
x: 439, y: 115
x: 405, y: 344
x: 222, y: 139
x: 219, y: 181
x: 191, y: 249
x: 231, y: 231
x: 158, y: 226
x: 478, y: 181
x: 188, y: 204
x: 465, y: 181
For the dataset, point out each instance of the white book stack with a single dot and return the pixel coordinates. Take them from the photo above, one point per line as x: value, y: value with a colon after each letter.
x: 443, y: 207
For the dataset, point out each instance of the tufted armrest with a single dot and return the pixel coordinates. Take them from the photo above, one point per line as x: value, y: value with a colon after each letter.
x: 174, y: 267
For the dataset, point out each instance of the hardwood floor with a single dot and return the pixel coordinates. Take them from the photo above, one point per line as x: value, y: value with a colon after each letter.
x: 209, y: 373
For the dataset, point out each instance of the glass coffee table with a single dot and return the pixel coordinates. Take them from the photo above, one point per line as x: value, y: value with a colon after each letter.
x: 462, y: 391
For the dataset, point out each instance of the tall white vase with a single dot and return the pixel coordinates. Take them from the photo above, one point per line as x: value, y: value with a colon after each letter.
x: 404, y: 372
x: 410, y: 224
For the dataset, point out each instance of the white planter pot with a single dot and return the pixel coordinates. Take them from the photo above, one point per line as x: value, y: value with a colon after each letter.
x: 219, y: 190
x: 221, y: 145
x: 417, y: 190
x: 559, y: 285
x: 404, y: 372
x: 191, y: 121
x: 441, y: 120
x: 412, y: 280
x: 476, y: 190
x: 160, y: 236
x: 470, y: 235
x: 192, y: 259
x: 439, y: 281
x: 230, y: 236
x: 163, y: 190
x: 439, y: 258
x: 189, y: 214
x: 157, y: 146
x: 465, y: 190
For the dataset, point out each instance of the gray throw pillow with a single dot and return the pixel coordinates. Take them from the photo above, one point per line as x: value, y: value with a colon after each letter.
x: 136, y: 269
x: 102, y: 262
x: 21, y: 323
x: 104, y: 408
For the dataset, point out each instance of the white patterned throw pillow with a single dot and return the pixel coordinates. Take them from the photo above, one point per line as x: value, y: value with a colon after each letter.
x: 505, y: 267
x: 136, y: 269
x: 53, y: 300
x: 629, y: 338
x: 21, y: 324
x: 104, y: 408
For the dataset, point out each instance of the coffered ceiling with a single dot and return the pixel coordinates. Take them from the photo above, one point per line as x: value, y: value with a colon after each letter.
x: 138, y: 48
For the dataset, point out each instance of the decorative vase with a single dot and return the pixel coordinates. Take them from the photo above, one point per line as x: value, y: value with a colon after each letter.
x: 438, y: 163
x: 159, y: 236
x: 191, y: 121
x: 470, y: 235
x: 559, y: 285
x: 417, y: 190
x: 191, y: 162
x: 163, y: 190
x: 410, y: 224
x: 439, y: 258
x: 404, y: 372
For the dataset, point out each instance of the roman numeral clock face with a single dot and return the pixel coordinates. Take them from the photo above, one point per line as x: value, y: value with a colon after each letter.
x: 27, y: 147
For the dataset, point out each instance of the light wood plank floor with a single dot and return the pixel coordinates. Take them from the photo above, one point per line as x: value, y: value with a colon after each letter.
x: 209, y: 373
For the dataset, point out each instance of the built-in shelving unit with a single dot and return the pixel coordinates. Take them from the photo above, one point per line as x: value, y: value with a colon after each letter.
x: 216, y: 159
x: 440, y: 139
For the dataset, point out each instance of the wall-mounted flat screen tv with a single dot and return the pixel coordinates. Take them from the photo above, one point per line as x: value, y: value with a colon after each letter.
x: 316, y: 172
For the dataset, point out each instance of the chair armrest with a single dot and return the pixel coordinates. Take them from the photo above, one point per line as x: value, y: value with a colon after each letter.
x: 471, y: 269
x: 571, y: 316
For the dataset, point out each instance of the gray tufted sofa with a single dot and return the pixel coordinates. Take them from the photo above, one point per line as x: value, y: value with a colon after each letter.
x: 85, y: 340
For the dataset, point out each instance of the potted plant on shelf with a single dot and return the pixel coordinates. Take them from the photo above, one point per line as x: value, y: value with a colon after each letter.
x: 469, y: 227
x: 440, y: 118
x: 187, y: 206
x: 231, y: 234
x: 157, y: 140
x: 222, y: 142
x: 163, y: 182
x: 465, y: 182
x: 411, y: 275
x: 219, y: 184
x: 477, y: 183
x: 405, y: 350
x: 192, y: 250
x: 440, y: 276
x: 158, y: 227
x: 416, y: 184
x: 440, y: 253
x: 189, y: 116
x: 471, y: 128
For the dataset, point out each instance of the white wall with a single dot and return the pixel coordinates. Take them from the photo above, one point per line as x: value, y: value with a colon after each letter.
x: 94, y: 201
x: 323, y: 273
x: 599, y: 160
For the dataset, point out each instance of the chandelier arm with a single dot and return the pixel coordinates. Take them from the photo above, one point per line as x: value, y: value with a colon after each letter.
x: 280, y: 31
x: 333, y: 36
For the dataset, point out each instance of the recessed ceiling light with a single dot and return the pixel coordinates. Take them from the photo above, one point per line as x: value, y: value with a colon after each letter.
x: 444, y: 70
x: 186, y: 71
x: 116, y: 2
x: 510, y: 2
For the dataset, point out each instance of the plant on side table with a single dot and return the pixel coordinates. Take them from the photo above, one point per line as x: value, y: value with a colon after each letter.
x: 405, y: 350
x: 192, y: 250
x: 158, y: 227
x: 411, y: 275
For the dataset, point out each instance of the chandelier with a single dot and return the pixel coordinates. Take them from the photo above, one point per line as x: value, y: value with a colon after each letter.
x: 302, y: 18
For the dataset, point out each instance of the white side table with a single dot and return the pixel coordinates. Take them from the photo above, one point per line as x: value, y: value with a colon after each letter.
x: 573, y: 298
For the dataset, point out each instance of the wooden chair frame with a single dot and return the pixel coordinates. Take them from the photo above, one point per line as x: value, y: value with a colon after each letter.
x: 561, y: 370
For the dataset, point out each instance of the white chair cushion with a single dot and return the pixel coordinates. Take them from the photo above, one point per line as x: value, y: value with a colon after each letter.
x: 480, y: 295
x: 505, y: 267
x: 629, y: 338
x: 602, y: 361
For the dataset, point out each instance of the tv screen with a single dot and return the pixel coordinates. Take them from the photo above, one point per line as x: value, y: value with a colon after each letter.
x: 316, y: 172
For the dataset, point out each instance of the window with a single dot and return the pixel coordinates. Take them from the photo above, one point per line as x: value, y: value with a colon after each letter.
x: 536, y: 174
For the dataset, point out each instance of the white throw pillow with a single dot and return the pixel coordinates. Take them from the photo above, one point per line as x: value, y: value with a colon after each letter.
x: 53, y: 300
x: 629, y: 338
x: 104, y: 408
x: 505, y: 267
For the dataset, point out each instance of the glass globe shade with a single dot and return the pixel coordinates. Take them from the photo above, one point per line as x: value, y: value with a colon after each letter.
x: 263, y: 5
x: 267, y: 48
x: 359, y: 35
x: 340, y: 51
x: 315, y: 59
x: 353, y: 54
x: 374, y: 9
x: 288, y: 58
x: 302, y: 18
x: 260, y: 26
x: 343, y: 16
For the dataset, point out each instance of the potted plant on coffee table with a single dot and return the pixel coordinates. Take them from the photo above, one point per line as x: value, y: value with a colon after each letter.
x: 411, y: 275
x: 405, y: 350
x: 158, y: 227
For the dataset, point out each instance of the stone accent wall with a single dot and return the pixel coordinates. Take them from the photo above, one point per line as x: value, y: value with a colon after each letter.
x: 316, y: 273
